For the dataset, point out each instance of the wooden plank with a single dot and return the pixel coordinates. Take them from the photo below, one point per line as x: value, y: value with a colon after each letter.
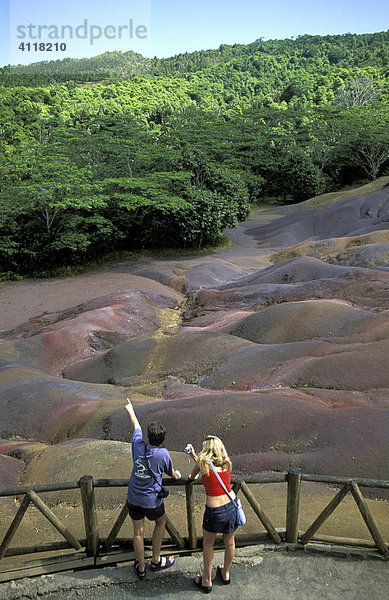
x: 14, y: 525
x: 174, y: 534
x: 326, y: 512
x: 190, y: 514
x: 367, y: 517
x: 260, y: 513
x: 344, y: 541
x: 50, y: 516
x: 118, y: 557
x: 116, y: 528
x: 361, y: 481
x: 242, y: 538
x: 166, y: 481
x: 257, y: 478
x: 268, y: 478
x: 128, y: 556
x: 45, y: 560
x: 111, y: 483
x: 112, y: 558
x: 90, y: 515
x: 47, y: 569
x: 48, y: 547
x: 250, y: 479
x: 47, y: 487
x: 293, y: 504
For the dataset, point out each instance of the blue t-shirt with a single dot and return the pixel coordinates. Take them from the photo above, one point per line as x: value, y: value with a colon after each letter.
x: 143, y: 489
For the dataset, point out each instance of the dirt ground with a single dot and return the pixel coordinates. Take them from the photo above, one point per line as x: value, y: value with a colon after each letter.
x: 21, y: 301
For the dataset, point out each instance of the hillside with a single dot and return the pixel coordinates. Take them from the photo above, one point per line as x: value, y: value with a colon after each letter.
x: 344, y: 51
x: 120, y: 152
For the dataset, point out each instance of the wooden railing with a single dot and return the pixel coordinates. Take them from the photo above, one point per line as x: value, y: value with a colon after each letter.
x: 93, y: 546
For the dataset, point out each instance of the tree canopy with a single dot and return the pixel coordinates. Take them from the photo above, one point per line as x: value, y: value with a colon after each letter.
x: 122, y: 152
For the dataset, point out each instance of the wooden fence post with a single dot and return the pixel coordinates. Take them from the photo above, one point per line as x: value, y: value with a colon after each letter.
x: 293, y: 504
x: 90, y: 515
x: 190, y: 509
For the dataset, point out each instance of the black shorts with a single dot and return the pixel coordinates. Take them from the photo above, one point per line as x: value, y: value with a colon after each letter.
x: 152, y: 514
x: 221, y: 519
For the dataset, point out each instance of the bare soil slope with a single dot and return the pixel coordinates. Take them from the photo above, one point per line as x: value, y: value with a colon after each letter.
x: 279, y: 344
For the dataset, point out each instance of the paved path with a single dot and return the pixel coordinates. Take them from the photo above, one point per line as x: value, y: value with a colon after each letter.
x: 270, y: 575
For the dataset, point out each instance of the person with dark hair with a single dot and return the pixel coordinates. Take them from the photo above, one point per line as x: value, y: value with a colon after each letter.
x: 156, y: 433
x: 145, y: 492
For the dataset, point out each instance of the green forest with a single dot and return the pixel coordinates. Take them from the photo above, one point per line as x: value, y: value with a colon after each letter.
x: 120, y: 152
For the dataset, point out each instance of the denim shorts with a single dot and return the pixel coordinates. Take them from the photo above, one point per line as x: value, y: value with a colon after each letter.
x: 221, y: 519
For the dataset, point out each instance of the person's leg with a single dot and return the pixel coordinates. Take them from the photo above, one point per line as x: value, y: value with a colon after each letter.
x: 208, y: 542
x: 139, y: 549
x: 158, y: 561
x: 229, y: 553
x: 159, y: 530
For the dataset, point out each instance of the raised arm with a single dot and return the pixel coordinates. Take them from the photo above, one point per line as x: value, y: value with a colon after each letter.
x: 196, y: 468
x: 134, y: 421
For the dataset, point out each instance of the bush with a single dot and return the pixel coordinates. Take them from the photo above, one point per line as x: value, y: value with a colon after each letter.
x: 204, y: 220
x: 303, y: 179
x: 293, y: 177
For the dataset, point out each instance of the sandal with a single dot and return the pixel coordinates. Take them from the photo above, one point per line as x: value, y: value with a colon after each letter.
x: 159, y: 566
x: 141, y: 574
x: 220, y: 573
x: 207, y: 589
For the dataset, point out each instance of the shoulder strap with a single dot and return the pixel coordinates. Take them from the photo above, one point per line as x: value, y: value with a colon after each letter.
x: 220, y: 480
x: 149, y: 470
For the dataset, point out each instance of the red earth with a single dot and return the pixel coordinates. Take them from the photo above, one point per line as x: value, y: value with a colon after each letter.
x: 272, y: 343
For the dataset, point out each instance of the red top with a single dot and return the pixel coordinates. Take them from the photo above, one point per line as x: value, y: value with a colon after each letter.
x: 212, y: 485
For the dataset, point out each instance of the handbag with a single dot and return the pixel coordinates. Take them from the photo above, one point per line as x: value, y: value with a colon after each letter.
x: 163, y: 492
x: 240, y: 516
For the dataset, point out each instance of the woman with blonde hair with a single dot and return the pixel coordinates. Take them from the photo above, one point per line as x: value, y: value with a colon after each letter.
x: 220, y: 510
